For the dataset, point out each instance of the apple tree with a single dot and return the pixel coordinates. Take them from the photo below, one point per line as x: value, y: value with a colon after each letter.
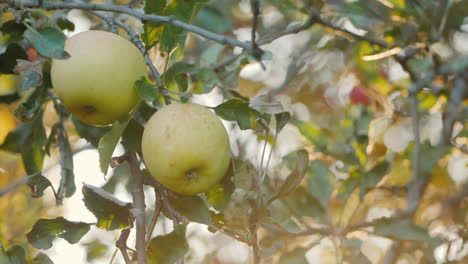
x: 307, y: 131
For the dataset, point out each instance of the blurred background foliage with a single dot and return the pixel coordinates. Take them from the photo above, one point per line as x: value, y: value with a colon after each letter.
x: 322, y: 138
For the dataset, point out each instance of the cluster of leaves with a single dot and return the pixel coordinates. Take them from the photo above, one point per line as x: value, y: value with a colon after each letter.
x: 311, y: 201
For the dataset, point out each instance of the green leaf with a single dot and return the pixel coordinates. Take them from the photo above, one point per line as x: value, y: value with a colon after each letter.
x: 311, y: 132
x: 206, y: 80
x: 108, y: 143
x: 372, y: 177
x: 240, y: 112
x: 131, y: 137
x: 32, y: 79
x: 92, y: 134
x: 37, y: 183
x: 66, y: 164
x: 119, y: 175
x: 169, y: 248
x: 295, y: 177
x: 210, y: 55
x: 151, y: 33
x: 95, y: 249
x: 42, y: 258
x: 146, y: 90
x: 320, y: 182
x: 220, y: 195
x: 213, y: 19
x: 176, y: 77
x: 183, y: 11
x: 29, y: 110
x: 12, y: 32
x: 349, y: 185
x: 49, y: 42
x: 191, y: 207
x: 281, y: 120
x: 17, y: 255
x: 403, y: 230
x: 44, y: 232
x: 64, y: 23
x: 8, y: 58
x: 110, y: 212
x: 152, y: 30
x: 296, y: 256
x: 28, y: 139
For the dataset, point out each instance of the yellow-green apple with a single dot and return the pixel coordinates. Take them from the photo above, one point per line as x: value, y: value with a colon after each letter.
x: 97, y: 83
x: 186, y: 148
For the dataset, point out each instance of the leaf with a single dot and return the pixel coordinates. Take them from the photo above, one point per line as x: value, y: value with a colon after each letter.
x: 240, y: 112
x: 110, y: 212
x: 220, y: 195
x: 295, y: 177
x: 108, y: 143
x: 132, y: 135
x: 95, y: 249
x: 49, y: 42
x: 281, y: 120
x: 320, y: 182
x: 206, y: 80
x: 296, y: 256
x: 169, y: 248
x: 67, y: 183
x: 146, y: 90
x: 28, y: 111
x: 12, y: 32
x: 44, y: 232
x: 92, y: 134
x: 265, y: 104
x: 372, y: 177
x: 210, y: 55
x: 42, y: 258
x: 28, y: 139
x: 212, y: 19
x: 311, y: 132
x: 402, y: 230
x: 153, y: 30
x: 176, y: 77
x: 349, y: 185
x: 16, y: 255
x: 183, y: 11
x: 64, y: 23
x: 37, y: 183
x: 30, y: 71
x: 192, y: 207
x: 8, y: 58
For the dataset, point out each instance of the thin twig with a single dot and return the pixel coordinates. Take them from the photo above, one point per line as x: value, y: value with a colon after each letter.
x: 256, y: 52
x: 138, y: 208
x: 157, y: 211
x: 48, y: 5
x: 121, y: 244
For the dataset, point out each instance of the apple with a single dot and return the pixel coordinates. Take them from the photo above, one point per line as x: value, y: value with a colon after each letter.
x: 359, y: 96
x: 186, y: 148
x: 97, y: 83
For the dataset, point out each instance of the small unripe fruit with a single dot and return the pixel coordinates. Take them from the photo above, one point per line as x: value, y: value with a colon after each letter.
x: 186, y: 148
x: 97, y: 83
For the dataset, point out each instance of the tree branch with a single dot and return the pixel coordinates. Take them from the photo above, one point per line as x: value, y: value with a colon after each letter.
x: 121, y: 244
x: 132, y: 12
x: 138, y: 208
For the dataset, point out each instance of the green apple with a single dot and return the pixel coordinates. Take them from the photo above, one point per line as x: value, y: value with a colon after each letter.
x: 186, y: 148
x: 97, y: 83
